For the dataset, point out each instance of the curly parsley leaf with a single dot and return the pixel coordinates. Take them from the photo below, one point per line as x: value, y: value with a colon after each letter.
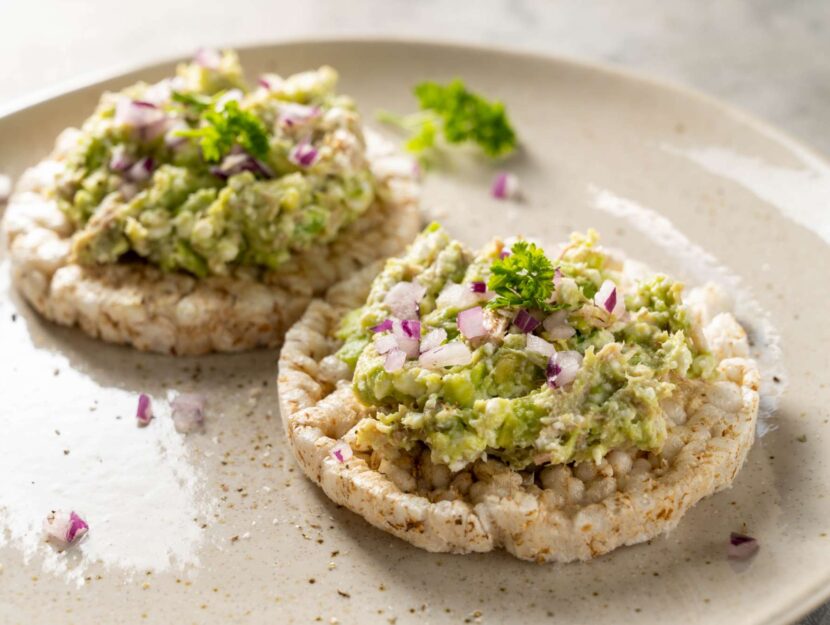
x: 522, y: 280
x: 221, y: 130
x: 458, y: 114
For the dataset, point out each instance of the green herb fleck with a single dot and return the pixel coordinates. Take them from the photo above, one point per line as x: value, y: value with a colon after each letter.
x: 524, y: 279
x: 221, y: 130
x: 460, y: 115
x: 198, y: 102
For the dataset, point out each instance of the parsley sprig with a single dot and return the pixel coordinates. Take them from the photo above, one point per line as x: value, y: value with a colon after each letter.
x: 524, y: 279
x: 221, y: 130
x: 458, y: 114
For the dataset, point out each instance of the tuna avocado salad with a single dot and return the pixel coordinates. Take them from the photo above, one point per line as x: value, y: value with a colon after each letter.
x: 514, y: 353
x: 202, y: 172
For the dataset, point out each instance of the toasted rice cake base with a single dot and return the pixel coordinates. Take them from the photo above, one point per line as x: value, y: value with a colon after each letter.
x: 564, y: 518
x: 139, y: 305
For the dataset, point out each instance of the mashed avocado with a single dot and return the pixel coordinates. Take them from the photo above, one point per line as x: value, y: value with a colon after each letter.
x: 510, y: 353
x: 200, y: 173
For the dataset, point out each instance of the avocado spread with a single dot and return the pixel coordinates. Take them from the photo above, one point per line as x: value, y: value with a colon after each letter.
x: 201, y: 173
x: 510, y: 353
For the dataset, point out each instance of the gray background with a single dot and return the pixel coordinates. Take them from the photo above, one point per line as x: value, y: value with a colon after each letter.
x: 771, y: 57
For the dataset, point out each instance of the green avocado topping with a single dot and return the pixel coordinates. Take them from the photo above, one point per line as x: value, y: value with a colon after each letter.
x: 202, y: 174
x: 506, y: 396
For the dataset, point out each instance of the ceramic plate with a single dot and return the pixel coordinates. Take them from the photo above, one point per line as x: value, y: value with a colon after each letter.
x: 222, y: 526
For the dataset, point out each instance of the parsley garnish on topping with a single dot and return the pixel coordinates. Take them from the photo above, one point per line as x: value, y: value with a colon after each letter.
x: 221, y: 130
x: 460, y: 115
x: 522, y: 280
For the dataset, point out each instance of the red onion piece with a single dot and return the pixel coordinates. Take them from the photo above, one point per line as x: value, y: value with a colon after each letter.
x: 505, y: 186
x: 188, y: 411
x: 293, y: 114
x: 403, y: 299
x: 120, y: 160
x: 741, y: 546
x: 341, y: 451
x: 471, y: 322
x: 144, y: 412
x: 385, y: 343
x: 408, y: 342
x: 141, y: 170
x: 538, y: 345
x: 209, y: 58
x: 395, y: 360
x: 504, y: 254
x: 65, y: 527
x: 609, y: 300
x: 238, y: 162
x: 449, y: 355
x: 433, y: 339
x: 303, y: 154
x: 562, y: 368
x: 383, y: 326
x: 478, y: 287
x: 145, y: 117
x: 557, y: 277
x: 556, y: 325
x: 525, y: 321
x: 457, y: 296
x: 411, y: 328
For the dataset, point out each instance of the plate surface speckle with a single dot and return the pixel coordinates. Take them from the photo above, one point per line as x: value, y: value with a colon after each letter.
x: 221, y: 526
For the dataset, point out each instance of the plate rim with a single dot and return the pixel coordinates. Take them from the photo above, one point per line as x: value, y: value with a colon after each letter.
x: 790, y: 611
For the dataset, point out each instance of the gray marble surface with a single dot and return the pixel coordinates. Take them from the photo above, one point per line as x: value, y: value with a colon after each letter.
x: 771, y: 57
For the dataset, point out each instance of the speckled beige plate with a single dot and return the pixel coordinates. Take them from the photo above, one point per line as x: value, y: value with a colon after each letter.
x: 221, y: 527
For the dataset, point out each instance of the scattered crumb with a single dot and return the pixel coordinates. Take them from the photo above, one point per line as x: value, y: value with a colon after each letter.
x: 343, y: 594
x: 802, y: 438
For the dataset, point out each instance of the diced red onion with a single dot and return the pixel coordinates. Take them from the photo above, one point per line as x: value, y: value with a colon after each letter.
x: 120, y: 160
x: 238, y: 162
x: 457, y: 296
x: 556, y: 325
x: 403, y: 299
x: 478, y: 287
x: 341, y: 451
x: 383, y: 326
x: 395, y: 360
x: 525, y: 321
x: 188, y: 411
x: 557, y: 277
x: 303, y: 154
x: 159, y: 93
x: 411, y: 328
x: 144, y: 412
x: 504, y: 254
x: 505, y: 186
x: 562, y: 368
x: 145, y: 117
x: 741, y: 546
x: 209, y: 58
x: 385, y: 342
x: 608, y: 299
x: 433, y: 339
x: 294, y: 114
x: 471, y: 322
x: 408, y: 341
x: 141, y: 170
x: 538, y: 345
x: 449, y: 355
x: 66, y: 527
